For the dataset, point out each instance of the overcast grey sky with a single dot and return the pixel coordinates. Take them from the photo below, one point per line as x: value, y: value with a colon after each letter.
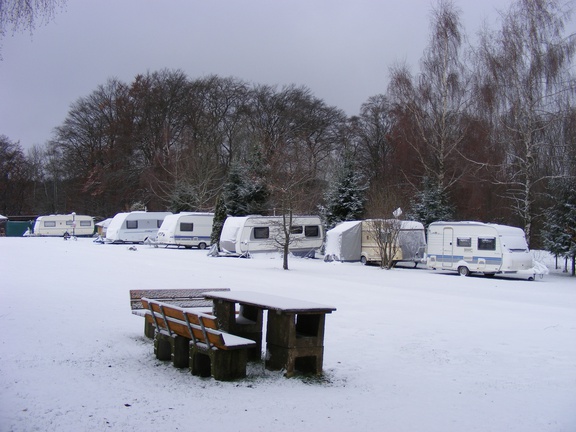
x: 340, y: 49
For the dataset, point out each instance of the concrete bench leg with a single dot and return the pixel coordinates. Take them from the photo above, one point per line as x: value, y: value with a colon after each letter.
x: 149, y: 329
x: 229, y: 365
x: 303, y: 359
x: 199, y: 363
x: 180, y: 348
x: 221, y: 364
x: 162, y: 346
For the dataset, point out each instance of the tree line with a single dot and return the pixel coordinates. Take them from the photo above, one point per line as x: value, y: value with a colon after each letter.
x: 480, y: 132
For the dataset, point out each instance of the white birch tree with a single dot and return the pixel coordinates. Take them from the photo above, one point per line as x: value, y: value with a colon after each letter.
x: 526, y: 82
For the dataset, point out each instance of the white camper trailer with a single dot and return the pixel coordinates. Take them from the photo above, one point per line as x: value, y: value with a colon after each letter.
x: 134, y: 227
x: 354, y: 241
x: 59, y: 225
x: 186, y: 229
x: 243, y: 235
x: 476, y: 247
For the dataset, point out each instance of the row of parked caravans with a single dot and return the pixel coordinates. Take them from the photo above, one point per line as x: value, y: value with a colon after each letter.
x: 187, y: 229
x: 465, y: 247
x: 240, y: 235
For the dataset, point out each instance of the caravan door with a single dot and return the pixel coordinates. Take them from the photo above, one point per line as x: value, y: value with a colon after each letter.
x: 447, y: 248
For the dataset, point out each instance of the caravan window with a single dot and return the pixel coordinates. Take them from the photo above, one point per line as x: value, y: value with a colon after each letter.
x: 85, y: 223
x: 487, y: 243
x: 464, y: 242
x: 186, y: 226
x: 296, y: 229
x: 312, y: 231
x: 69, y: 222
x: 132, y: 224
x: 159, y: 223
x: 49, y: 224
x: 261, y: 232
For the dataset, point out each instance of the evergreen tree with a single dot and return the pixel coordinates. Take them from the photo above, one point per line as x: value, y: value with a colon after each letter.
x: 559, y: 231
x: 259, y: 194
x: 345, y: 199
x: 234, y: 192
x: 219, y: 218
x: 245, y: 192
x: 183, y: 198
x: 430, y: 204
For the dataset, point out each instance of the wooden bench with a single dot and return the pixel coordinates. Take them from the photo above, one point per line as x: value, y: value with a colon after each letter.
x: 185, y: 298
x: 193, y: 339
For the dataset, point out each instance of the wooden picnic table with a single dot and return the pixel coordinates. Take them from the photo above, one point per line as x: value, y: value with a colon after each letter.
x: 294, y: 328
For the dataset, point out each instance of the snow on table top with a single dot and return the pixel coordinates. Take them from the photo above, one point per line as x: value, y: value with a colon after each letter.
x: 270, y: 301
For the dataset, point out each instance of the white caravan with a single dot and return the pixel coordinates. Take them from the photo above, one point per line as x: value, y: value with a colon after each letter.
x: 354, y: 241
x: 58, y: 225
x: 243, y: 235
x: 476, y: 247
x: 134, y: 227
x: 186, y: 229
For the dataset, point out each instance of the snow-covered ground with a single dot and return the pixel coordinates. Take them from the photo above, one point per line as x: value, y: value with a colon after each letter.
x: 407, y: 349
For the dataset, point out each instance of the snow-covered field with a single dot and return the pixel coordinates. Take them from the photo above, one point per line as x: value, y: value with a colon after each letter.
x: 407, y: 350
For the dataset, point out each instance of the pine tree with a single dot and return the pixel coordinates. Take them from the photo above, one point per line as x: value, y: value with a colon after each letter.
x: 430, y: 204
x: 183, y: 198
x: 245, y: 192
x: 219, y: 218
x: 559, y: 231
x: 345, y: 199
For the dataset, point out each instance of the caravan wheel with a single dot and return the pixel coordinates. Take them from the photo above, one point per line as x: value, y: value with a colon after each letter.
x: 363, y: 260
x: 202, y: 246
x: 463, y: 270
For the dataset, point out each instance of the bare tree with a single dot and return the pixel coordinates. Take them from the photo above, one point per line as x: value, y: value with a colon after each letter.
x: 296, y: 135
x: 525, y: 83
x: 94, y: 149
x: 19, y: 15
x: 384, y: 233
x: 287, y: 192
x: 14, y: 171
x: 284, y: 238
x: 432, y: 105
x: 37, y: 176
